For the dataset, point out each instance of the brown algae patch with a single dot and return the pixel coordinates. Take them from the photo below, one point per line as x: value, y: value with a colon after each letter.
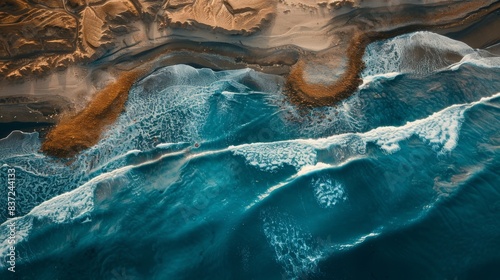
x: 83, y: 130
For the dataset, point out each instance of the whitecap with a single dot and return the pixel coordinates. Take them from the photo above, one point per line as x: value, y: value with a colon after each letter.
x: 439, y: 130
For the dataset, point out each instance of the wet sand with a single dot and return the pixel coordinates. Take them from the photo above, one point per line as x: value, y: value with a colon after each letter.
x: 83, y: 130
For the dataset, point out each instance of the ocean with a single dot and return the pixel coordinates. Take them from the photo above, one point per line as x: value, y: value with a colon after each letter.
x: 215, y: 175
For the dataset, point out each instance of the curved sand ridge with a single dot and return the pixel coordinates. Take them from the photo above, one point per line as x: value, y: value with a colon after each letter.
x: 346, y: 56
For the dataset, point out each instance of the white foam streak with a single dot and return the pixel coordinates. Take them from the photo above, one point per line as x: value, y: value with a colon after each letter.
x: 169, y: 145
x: 270, y: 157
x: 377, y: 77
x: 476, y: 59
x: 64, y: 208
x: 313, y: 168
x: 358, y: 241
x: 308, y: 169
x: 440, y: 131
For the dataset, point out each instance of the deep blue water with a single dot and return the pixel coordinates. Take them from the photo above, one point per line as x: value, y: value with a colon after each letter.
x: 213, y: 175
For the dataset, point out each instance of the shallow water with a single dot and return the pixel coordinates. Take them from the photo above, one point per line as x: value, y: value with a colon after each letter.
x: 213, y: 175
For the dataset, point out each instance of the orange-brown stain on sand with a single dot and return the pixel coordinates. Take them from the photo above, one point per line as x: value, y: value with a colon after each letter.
x: 303, y: 93
x: 83, y: 130
x: 322, y: 95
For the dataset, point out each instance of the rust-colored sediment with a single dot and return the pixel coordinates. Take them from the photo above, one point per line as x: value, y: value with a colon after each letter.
x: 302, y: 93
x: 83, y: 130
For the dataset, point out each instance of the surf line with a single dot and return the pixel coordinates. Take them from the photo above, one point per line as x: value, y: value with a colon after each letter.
x: 305, y: 94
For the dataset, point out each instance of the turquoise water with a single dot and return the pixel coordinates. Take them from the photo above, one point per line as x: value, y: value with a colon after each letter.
x: 213, y: 175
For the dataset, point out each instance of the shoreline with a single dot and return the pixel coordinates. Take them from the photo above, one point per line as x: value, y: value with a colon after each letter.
x: 307, y: 94
x: 76, y: 133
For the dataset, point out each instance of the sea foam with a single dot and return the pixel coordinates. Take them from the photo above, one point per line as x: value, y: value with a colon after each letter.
x: 440, y: 131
